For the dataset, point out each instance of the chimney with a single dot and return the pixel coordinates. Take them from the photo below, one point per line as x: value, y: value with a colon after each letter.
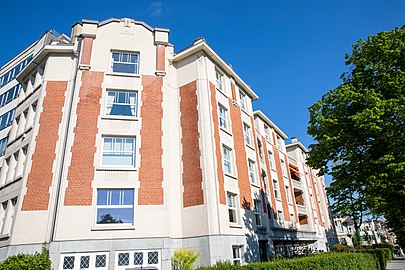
x: 294, y: 140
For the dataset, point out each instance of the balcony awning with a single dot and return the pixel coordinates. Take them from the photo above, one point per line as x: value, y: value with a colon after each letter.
x: 293, y: 168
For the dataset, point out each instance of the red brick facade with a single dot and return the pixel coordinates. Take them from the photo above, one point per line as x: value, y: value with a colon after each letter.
x: 192, y: 173
x: 218, y: 155
x: 240, y: 156
x: 281, y: 184
x: 41, y: 175
x: 81, y: 170
x: 151, y: 169
x: 160, y: 57
x: 271, y: 187
x: 86, y: 51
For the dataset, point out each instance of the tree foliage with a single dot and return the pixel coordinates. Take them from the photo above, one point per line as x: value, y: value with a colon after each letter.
x: 359, y: 129
x: 37, y: 261
x: 184, y: 259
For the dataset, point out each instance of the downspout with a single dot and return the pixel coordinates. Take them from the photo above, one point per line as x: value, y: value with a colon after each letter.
x: 64, y: 141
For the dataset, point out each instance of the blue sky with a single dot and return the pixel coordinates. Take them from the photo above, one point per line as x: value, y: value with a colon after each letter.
x: 290, y: 52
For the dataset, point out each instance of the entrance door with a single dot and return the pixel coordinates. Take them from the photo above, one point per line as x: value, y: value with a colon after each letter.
x: 263, y: 250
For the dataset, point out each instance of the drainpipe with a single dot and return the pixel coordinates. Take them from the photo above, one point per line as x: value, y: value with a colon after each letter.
x: 64, y: 148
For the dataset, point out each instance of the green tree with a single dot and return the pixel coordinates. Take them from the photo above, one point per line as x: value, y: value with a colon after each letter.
x: 359, y: 129
x: 184, y: 259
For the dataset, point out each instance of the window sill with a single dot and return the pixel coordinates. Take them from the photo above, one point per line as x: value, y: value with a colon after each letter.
x: 120, y: 117
x: 255, y: 184
x: 249, y: 146
x: 235, y: 225
x: 231, y: 176
x: 116, y: 169
x: 112, y: 228
x: 5, y: 236
x: 278, y: 199
x: 123, y: 74
x: 226, y: 131
x: 222, y: 91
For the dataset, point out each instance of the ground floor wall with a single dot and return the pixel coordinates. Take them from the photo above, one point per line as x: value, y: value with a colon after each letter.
x: 152, y: 253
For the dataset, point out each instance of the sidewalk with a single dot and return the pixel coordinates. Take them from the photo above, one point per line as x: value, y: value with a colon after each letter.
x: 396, y: 264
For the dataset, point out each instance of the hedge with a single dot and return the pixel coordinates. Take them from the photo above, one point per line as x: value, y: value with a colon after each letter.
x: 381, y: 255
x: 326, y: 261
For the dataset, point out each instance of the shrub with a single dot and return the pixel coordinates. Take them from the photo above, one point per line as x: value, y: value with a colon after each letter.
x: 36, y: 261
x: 184, y: 259
x: 341, y: 248
x: 381, y: 255
x: 326, y: 261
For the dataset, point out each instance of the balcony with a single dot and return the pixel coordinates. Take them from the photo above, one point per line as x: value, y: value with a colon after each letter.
x: 302, y: 209
x: 297, y: 184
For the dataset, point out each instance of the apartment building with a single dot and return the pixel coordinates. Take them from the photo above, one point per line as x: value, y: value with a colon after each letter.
x: 371, y: 231
x: 121, y: 151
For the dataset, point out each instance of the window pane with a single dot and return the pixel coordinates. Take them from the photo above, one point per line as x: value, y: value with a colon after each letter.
x: 124, y: 68
x: 115, y: 197
x: 115, y: 56
x: 107, y: 144
x: 114, y: 215
x: 128, y: 197
x: 102, y: 197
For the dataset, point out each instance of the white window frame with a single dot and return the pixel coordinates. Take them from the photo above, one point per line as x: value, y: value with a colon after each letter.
x: 252, y: 172
x: 276, y: 189
x: 258, y: 212
x: 219, y: 80
x: 272, y: 160
x: 223, y: 115
x: 121, y: 54
x: 280, y: 217
x: 237, y: 254
x: 128, y: 93
x: 145, y: 262
x: 242, y: 99
x: 247, y: 134
x: 118, y: 152
x: 227, y: 159
x: 288, y: 193
x: 267, y: 132
x: 77, y: 260
x: 283, y: 168
x: 231, y: 201
x: 120, y: 205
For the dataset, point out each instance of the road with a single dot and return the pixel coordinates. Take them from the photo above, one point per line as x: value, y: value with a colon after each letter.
x: 396, y: 264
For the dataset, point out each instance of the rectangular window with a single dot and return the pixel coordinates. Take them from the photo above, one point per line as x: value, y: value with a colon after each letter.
x: 115, y: 206
x: 267, y: 132
x: 280, y: 217
x: 223, y: 117
x: 247, y: 134
x: 287, y: 191
x: 231, y: 200
x: 252, y: 171
x: 283, y: 168
x: 124, y: 62
x: 3, y: 146
x: 7, y: 119
x: 258, y: 212
x: 276, y: 190
x: 236, y: 255
x: 121, y: 103
x: 271, y: 159
x: 219, y: 78
x: 242, y: 99
x: 118, y: 151
x: 280, y: 143
x: 227, y: 159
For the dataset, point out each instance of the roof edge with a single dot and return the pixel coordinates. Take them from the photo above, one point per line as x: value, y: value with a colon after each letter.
x: 260, y: 114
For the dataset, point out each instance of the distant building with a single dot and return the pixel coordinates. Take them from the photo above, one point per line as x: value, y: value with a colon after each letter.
x: 371, y: 231
x: 116, y: 151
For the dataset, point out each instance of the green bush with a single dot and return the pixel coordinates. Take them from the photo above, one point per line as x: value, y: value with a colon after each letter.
x: 37, y: 261
x: 184, y: 259
x: 381, y: 255
x: 341, y: 248
x: 326, y: 261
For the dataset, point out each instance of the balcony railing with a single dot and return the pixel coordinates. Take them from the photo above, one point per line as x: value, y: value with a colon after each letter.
x: 302, y: 209
x: 297, y: 184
